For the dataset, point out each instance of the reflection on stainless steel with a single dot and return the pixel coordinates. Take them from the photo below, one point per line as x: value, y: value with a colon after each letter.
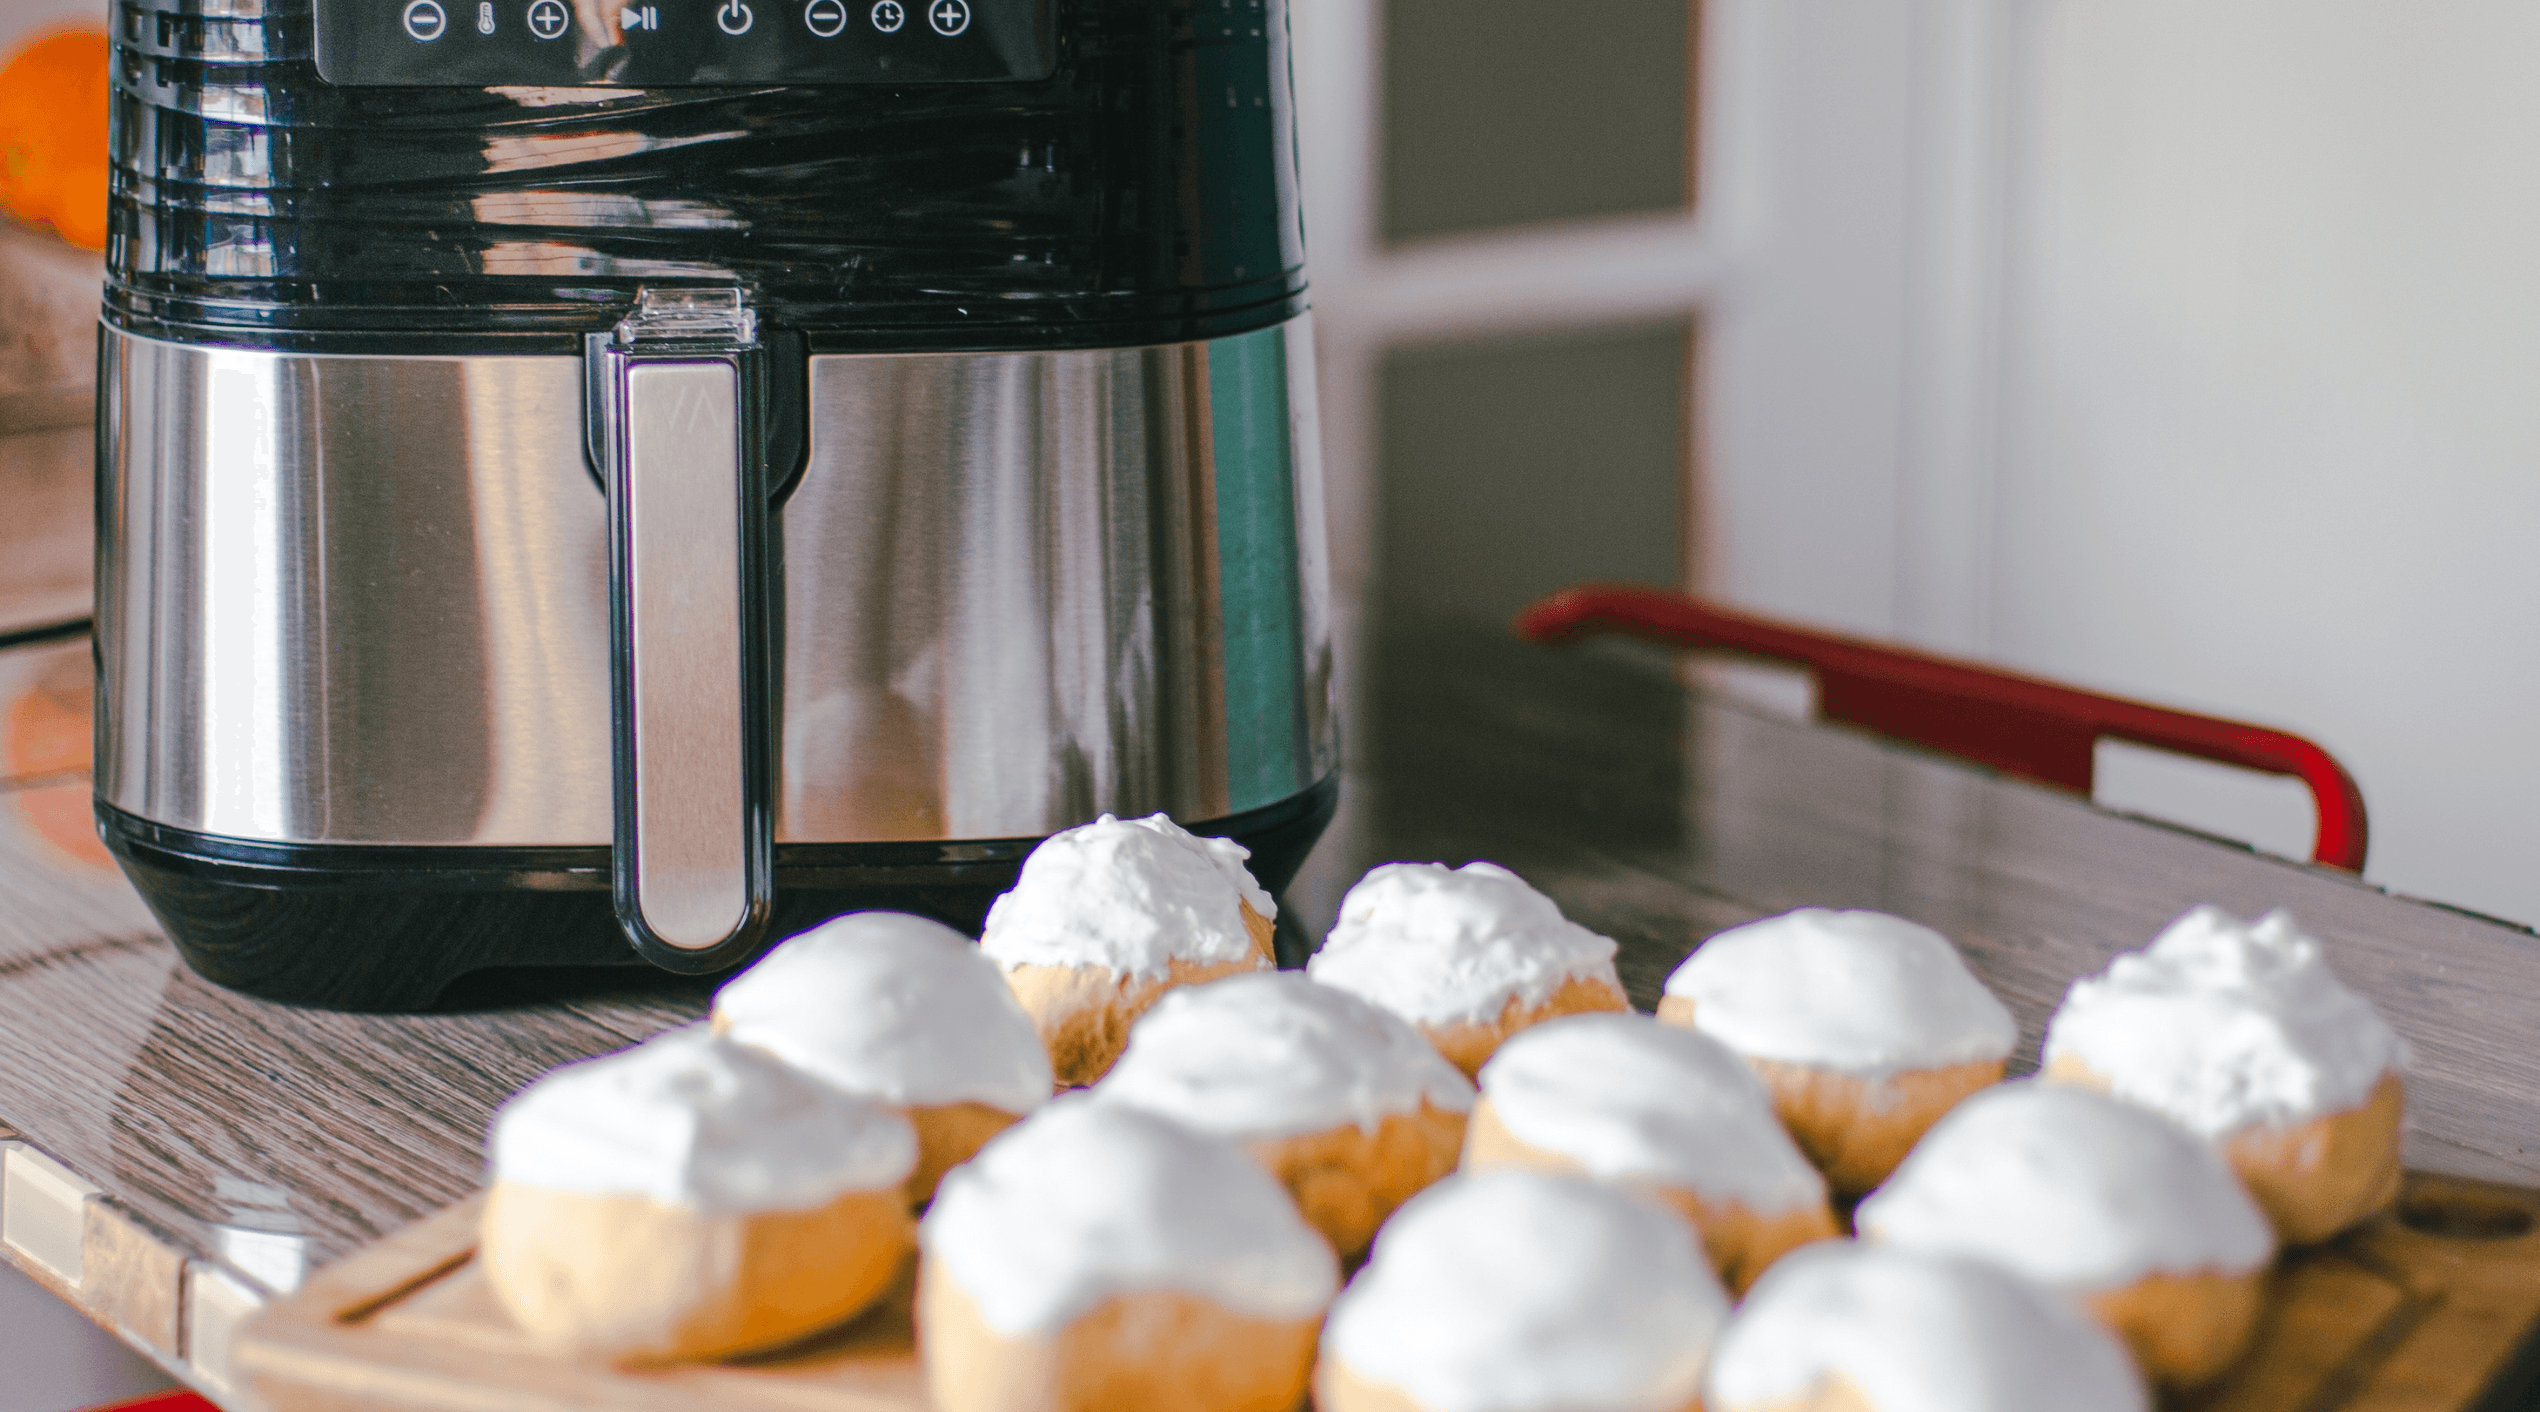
x: 540, y: 577
x: 1128, y: 627
x: 1019, y: 589
x: 351, y: 599
x: 683, y: 570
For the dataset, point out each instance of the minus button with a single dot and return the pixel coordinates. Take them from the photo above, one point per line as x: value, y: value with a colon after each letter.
x: 425, y: 19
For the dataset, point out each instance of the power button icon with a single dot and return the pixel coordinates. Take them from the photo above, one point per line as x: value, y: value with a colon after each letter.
x: 734, y: 17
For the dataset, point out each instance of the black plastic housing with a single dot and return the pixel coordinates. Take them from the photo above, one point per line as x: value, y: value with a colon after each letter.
x: 1145, y: 192
x: 377, y: 928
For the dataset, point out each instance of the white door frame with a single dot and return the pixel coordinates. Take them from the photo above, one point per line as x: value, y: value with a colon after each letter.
x: 1844, y: 258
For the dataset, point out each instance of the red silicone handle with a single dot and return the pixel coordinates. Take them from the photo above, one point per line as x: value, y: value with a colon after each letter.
x: 2038, y: 730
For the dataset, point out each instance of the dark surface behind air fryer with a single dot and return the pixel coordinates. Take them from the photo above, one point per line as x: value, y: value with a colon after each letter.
x: 1145, y: 193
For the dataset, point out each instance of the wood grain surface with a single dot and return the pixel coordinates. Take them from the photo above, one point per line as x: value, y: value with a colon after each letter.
x: 267, y: 1142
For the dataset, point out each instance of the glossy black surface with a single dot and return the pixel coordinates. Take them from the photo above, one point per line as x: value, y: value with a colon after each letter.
x: 670, y: 43
x: 1145, y: 192
x: 391, y: 929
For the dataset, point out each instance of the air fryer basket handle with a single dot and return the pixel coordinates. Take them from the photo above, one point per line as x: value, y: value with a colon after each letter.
x: 682, y: 384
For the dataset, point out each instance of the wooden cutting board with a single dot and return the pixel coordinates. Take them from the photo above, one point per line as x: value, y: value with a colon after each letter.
x: 2428, y: 1309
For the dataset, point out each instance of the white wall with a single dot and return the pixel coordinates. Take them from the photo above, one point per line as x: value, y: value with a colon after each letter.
x: 2272, y: 402
x: 2188, y: 349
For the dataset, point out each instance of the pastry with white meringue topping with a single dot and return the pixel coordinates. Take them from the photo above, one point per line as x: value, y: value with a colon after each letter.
x: 691, y: 1198
x: 901, y: 1009
x: 1866, y: 1028
x: 1108, y: 916
x: 1471, y: 955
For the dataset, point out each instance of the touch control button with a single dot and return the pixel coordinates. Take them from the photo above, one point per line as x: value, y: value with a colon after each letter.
x: 734, y: 17
x: 949, y: 17
x: 825, y: 18
x: 888, y: 16
x: 425, y: 19
x: 548, y: 18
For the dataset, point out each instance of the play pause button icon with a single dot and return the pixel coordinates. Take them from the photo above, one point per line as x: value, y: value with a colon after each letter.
x: 647, y: 17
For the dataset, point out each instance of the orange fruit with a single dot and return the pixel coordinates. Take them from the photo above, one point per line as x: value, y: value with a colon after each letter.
x: 53, y: 135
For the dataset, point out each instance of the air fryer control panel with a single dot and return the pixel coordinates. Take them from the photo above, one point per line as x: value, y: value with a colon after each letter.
x: 674, y: 43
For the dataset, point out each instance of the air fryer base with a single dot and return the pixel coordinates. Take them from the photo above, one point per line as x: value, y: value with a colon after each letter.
x: 375, y: 928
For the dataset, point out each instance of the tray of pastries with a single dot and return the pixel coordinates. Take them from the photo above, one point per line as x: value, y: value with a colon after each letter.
x: 1108, y: 1157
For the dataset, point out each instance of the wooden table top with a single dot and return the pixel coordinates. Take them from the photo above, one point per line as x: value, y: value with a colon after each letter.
x: 234, y: 1144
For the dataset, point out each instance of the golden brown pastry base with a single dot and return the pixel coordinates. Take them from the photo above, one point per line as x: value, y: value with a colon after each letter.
x: 2185, y: 1330
x: 1264, y: 933
x: 1470, y: 1046
x: 1832, y: 1394
x: 949, y: 1134
x: 1154, y: 1351
x: 2320, y: 1178
x: 1741, y: 1244
x: 1084, y: 1012
x: 1337, y: 1389
x: 1348, y: 1180
x: 627, y: 1279
x: 1856, y: 1129
x: 2314, y: 1179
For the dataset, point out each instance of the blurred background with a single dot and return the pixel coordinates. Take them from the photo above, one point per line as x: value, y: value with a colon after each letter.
x: 2185, y: 349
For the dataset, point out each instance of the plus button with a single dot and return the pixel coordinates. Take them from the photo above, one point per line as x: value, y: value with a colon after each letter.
x: 949, y: 17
